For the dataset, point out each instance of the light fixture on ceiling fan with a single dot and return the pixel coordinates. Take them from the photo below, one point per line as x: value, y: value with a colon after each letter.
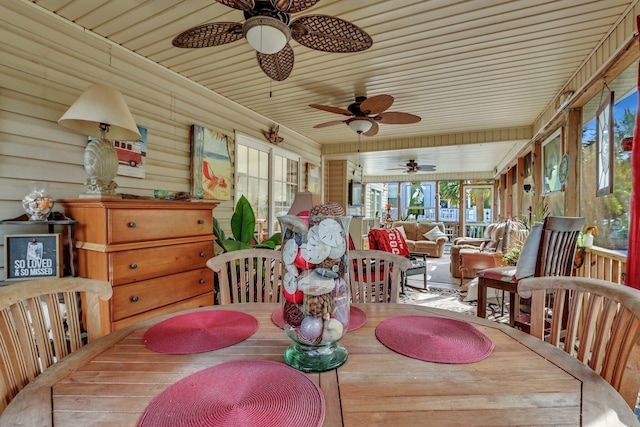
x: 360, y: 125
x: 266, y: 35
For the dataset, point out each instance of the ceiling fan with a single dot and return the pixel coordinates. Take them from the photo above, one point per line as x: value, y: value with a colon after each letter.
x: 412, y: 167
x: 366, y: 113
x: 268, y: 29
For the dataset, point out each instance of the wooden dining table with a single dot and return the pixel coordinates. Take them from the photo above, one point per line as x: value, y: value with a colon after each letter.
x: 524, y: 381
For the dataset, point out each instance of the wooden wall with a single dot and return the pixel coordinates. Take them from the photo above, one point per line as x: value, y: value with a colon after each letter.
x: 45, y: 65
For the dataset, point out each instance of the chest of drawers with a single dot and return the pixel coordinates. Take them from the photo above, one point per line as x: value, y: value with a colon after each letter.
x: 153, y: 252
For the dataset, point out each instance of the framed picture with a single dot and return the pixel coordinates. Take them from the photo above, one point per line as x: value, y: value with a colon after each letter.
x: 131, y: 155
x: 604, y: 147
x: 551, y: 158
x: 210, y: 164
x: 32, y: 256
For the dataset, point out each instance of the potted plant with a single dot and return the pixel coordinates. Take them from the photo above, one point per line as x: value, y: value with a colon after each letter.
x: 243, y: 223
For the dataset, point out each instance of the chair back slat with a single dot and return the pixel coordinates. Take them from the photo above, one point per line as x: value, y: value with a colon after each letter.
x: 602, y: 325
x: 248, y: 276
x: 375, y: 275
x: 35, y: 332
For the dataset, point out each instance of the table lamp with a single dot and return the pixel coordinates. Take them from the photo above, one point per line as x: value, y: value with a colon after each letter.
x: 304, y: 201
x: 98, y: 111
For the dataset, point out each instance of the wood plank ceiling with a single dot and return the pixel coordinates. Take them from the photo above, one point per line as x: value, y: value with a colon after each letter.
x: 461, y: 65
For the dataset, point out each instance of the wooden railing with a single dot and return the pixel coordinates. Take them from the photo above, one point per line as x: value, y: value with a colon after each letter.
x: 600, y: 263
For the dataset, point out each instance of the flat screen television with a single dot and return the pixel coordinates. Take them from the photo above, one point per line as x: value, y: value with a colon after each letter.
x: 356, y: 195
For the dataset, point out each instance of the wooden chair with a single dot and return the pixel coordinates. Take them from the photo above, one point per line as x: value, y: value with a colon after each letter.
x: 375, y: 275
x: 248, y: 276
x: 34, y: 330
x: 556, y: 252
x: 602, y: 325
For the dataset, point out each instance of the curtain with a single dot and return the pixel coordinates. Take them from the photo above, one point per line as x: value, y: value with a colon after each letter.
x: 633, y: 260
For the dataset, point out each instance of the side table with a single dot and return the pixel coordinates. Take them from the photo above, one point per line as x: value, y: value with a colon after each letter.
x: 56, y: 218
x: 418, y: 266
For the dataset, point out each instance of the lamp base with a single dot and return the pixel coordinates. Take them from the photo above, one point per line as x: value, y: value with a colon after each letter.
x: 101, y: 164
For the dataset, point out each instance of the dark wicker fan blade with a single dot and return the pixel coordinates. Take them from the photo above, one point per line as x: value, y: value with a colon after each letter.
x: 333, y: 123
x: 329, y: 34
x: 331, y: 109
x: 394, y: 118
x: 293, y: 6
x: 376, y: 104
x: 246, y: 5
x: 207, y: 35
x: 374, y: 129
x: 277, y: 66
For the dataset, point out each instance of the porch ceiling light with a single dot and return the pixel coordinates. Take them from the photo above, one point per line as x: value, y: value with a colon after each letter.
x: 266, y: 35
x: 360, y: 126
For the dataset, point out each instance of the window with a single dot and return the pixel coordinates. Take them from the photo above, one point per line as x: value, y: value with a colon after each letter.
x: 268, y: 177
x: 609, y: 213
x: 419, y: 200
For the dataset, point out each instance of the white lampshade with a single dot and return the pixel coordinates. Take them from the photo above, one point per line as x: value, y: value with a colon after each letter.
x: 98, y: 111
x: 304, y: 201
x: 360, y: 125
x: 266, y: 35
x: 101, y: 104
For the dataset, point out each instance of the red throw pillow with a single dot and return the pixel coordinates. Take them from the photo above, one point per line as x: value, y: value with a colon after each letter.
x: 388, y: 241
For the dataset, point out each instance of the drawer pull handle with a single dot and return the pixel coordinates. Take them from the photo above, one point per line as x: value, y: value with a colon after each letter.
x: 202, y: 281
x: 201, y: 221
x: 132, y: 224
x: 134, y: 298
x: 203, y: 254
x: 134, y: 266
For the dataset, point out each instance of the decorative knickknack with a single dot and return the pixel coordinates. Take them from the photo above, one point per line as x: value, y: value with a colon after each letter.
x: 316, y: 305
x: 38, y: 203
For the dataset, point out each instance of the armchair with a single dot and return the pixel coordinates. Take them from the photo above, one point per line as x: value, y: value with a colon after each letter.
x: 493, y: 244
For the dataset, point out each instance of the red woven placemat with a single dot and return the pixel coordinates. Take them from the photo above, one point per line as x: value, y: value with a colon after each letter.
x: 357, y: 318
x: 200, y: 331
x: 239, y: 393
x: 434, y: 339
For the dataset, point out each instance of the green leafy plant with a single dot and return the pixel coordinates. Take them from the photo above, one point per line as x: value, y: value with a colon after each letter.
x: 511, y: 257
x: 243, y: 223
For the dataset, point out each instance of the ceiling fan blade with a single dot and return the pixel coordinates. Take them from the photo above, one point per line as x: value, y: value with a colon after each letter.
x: 293, y: 6
x: 331, y: 109
x: 376, y: 104
x: 426, y: 168
x: 324, y: 125
x: 279, y: 65
x: 374, y: 129
x: 245, y: 5
x: 329, y: 34
x: 394, y: 118
x: 207, y: 35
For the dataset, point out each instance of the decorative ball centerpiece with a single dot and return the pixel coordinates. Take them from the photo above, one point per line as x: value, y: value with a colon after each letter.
x: 316, y: 287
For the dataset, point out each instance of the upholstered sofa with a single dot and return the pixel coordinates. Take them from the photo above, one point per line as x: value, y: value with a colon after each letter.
x: 414, y: 233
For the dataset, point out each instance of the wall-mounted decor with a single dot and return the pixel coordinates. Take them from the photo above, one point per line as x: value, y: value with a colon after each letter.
x: 604, y: 147
x: 312, y: 178
x: 551, y: 158
x: 32, y: 256
x: 210, y: 164
x: 272, y: 135
x: 131, y: 155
